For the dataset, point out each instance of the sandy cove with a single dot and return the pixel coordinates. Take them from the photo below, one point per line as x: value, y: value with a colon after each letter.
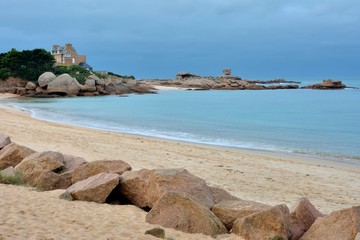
x: 265, y: 177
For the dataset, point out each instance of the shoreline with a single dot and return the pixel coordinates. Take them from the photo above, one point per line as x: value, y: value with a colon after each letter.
x: 266, y: 177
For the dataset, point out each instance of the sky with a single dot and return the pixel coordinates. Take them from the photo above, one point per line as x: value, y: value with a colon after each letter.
x: 257, y: 39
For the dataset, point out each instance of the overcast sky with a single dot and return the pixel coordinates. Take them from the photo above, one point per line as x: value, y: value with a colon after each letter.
x: 158, y: 38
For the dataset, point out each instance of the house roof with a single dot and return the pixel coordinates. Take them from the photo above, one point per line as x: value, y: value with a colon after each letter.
x: 85, y: 65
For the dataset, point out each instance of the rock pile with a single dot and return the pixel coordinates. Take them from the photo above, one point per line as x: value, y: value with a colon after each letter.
x: 174, y: 198
x: 327, y: 84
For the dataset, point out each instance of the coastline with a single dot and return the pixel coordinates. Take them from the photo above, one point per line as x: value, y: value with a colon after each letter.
x: 267, y: 177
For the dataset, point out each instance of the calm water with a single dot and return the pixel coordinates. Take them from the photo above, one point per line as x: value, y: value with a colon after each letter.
x: 321, y: 123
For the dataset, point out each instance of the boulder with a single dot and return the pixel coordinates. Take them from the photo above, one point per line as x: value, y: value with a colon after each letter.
x: 229, y: 211
x: 72, y: 162
x: 200, y: 83
x: 12, y: 154
x: 302, y: 215
x: 4, y: 140
x: 220, y: 195
x: 20, y: 91
x: 184, y: 213
x: 343, y: 224
x: 96, y: 188
x: 143, y: 188
x: 30, y: 86
x: 98, y: 81
x: 89, y: 85
x: 37, y: 163
x: 64, y: 85
x: 46, y: 78
x: 47, y: 181
x: 327, y: 84
x: 104, y: 166
x: 117, y: 88
x: 268, y: 224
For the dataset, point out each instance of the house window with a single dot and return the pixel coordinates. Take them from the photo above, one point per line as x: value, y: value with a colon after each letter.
x: 73, y: 60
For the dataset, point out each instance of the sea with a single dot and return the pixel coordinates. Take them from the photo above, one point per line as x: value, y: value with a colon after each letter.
x: 319, y: 123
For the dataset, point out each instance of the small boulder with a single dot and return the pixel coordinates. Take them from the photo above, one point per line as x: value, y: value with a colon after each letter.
x: 64, y: 85
x: 89, y: 85
x: 37, y: 163
x: 184, y: 213
x: 96, y: 188
x: 343, y: 224
x: 302, y: 215
x: 156, y: 232
x: 46, y: 78
x: 30, y: 86
x: 98, y: 81
x: 117, y: 88
x: 72, y: 162
x: 143, y: 188
x: 229, y: 211
x: 92, y: 168
x: 271, y: 223
x: 4, y: 140
x: 12, y: 154
x: 220, y: 195
x: 47, y: 181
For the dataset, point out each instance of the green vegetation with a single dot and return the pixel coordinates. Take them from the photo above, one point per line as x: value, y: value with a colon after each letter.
x: 27, y: 64
x: 75, y: 71
x: 121, y: 76
x: 277, y: 238
x: 15, y: 179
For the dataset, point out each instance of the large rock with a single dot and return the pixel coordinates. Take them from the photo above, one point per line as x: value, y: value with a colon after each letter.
x: 12, y: 154
x: 343, y: 224
x: 37, y: 163
x: 4, y: 140
x: 327, y: 84
x: 229, y: 211
x: 30, y: 86
x: 72, y: 162
x: 98, y: 81
x: 64, y: 85
x: 302, y: 215
x: 46, y: 78
x: 89, y: 85
x: 143, y: 188
x: 96, y: 188
x: 47, y: 181
x: 268, y: 224
x: 117, y: 88
x: 220, y: 195
x: 92, y: 168
x: 182, y: 212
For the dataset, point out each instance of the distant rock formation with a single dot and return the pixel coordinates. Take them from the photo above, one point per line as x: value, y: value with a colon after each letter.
x: 327, y: 84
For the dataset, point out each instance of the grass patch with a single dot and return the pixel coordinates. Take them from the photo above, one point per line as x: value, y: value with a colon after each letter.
x: 15, y: 179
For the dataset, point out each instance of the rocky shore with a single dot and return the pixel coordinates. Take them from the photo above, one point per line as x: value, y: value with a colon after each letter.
x: 173, y: 198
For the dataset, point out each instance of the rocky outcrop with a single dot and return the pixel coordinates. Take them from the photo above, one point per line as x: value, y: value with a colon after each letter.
x: 143, y: 188
x: 186, y: 75
x: 302, y: 215
x: 117, y: 88
x: 64, y: 85
x: 268, y: 224
x: 89, y: 85
x: 94, y: 189
x: 198, y: 83
x: 344, y: 225
x: 104, y: 166
x: 229, y: 211
x: 184, y: 213
x: 327, y: 85
x: 12, y: 154
x: 4, y: 140
x: 46, y: 78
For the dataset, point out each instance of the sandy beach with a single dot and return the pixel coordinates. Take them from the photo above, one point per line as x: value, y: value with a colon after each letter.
x: 265, y: 177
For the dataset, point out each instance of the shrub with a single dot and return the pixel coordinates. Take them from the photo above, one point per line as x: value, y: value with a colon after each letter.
x: 15, y: 179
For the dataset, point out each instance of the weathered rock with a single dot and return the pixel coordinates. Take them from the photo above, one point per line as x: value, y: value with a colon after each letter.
x: 96, y: 188
x: 229, y: 211
x: 47, y: 181
x: 117, y: 88
x: 30, y: 86
x: 271, y: 223
x: 199, y: 83
x: 302, y: 215
x: 220, y: 195
x: 98, y: 81
x: 72, y: 162
x: 89, y: 85
x: 182, y: 212
x: 343, y: 224
x: 327, y: 84
x: 156, y: 232
x: 12, y: 154
x: 92, y: 168
x: 7, y: 172
x: 4, y: 140
x: 185, y: 75
x: 66, y: 196
x: 143, y: 188
x: 37, y: 163
x: 46, y: 78
x: 64, y: 85
x: 20, y: 91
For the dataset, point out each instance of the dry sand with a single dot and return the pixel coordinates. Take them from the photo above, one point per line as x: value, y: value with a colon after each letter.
x: 265, y: 177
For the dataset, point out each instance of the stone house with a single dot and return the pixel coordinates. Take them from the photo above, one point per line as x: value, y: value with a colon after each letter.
x: 67, y: 55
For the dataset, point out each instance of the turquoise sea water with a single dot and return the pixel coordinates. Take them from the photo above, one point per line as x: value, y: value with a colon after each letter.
x: 315, y: 122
